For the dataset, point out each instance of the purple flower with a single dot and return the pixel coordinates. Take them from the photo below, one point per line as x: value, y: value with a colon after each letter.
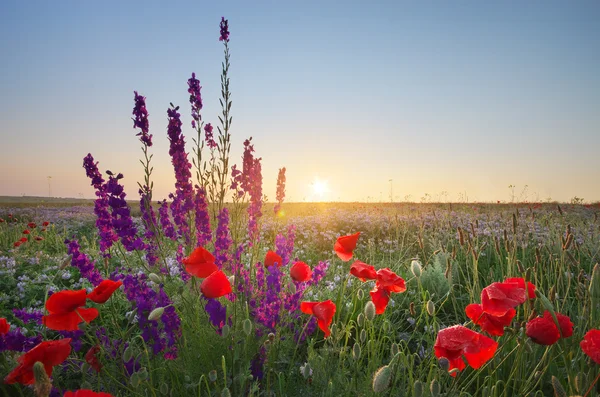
x: 224, y: 27
x: 28, y: 315
x: 284, y: 246
x: 165, y: 220
x: 195, y: 98
x: 149, y: 220
x: 203, y: 233
x: 280, y: 189
x: 140, y: 119
x: 217, y: 314
x: 80, y: 260
x: 222, y: 239
x: 208, y: 133
x: 14, y: 340
x: 121, y: 216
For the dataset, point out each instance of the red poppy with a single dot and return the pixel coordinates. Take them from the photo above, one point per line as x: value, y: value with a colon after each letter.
x: 4, y: 326
x: 25, y: 231
x: 521, y: 283
x: 2, y: 220
x: 43, y: 229
x: 391, y: 281
x: 323, y: 312
x: 38, y: 238
x: 23, y: 239
x: 17, y: 244
x: 31, y: 225
x: 45, y: 224
x: 104, y: 291
x: 345, y: 245
x: 92, y: 359
x: 363, y: 271
x: 499, y: 298
x: 200, y: 263
x: 457, y: 342
x: 86, y: 393
x: 543, y: 330
x: 493, y: 325
x: 215, y: 285
x: 300, y: 271
x: 590, y: 345
x: 66, y: 312
x: 380, y: 298
x: 49, y: 353
x: 272, y: 258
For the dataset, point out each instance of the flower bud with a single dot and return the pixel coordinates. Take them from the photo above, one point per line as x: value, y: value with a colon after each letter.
x: 360, y: 320
x: 381, y: 380
x: 370, y: 311
x: 247, y: 326
x: 271, y: 336
x: 225, y: 393
x: 231, y: 279
x: 225, y: 330
x: 42, y: 386
x: 430, y: 308
x: 416, y: 268
x: 356, y: 351
x: 363, y: 335
x: 154, y: 278
x: 444, y: 363
x: 212, y: 376
x: 292, y: 288
x: 128, y: 354
x: 559, y: 391
x: 164, y: 389
x: 134, y: 379
x: 156, y: 313
x: 143, y: 373
x: 360, y: 294
x: 66, y: 262
x: 434, y: 388
x: 395, y: 349
x: 418, y: 389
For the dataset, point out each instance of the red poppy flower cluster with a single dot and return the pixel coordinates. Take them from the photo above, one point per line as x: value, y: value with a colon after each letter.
x: 65, y: 308
x: 387, y: 282
x: 201, y: 263
x: 457, y: 342
x: 323, y: 312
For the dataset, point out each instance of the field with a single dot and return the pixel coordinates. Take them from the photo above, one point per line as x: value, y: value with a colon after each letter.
x: 218, y: 291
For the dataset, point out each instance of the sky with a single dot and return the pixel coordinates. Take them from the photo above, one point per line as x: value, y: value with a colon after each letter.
x: 450, y: 100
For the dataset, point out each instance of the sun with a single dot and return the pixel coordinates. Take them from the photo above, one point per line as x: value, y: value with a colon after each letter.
x: 320, y: 188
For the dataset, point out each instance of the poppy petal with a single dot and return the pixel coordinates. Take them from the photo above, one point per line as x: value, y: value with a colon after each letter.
x: 590, y: 345
x: 493, y: 325
x: 363, y: 271
x: 456, y: 342
x: 272, y: 258
x: 69, y: 321
x: 104, y: 291
x: 498, y: 298
x: 542, y: 331
x: 566, y: 326
x: 324, y: 312
x: 300, y: 271
x: 216, y: 285
x: 50, y: 353
x: 345, y: 245
x: 4, y: 326
x: 65, y: 301
x: 380, y: 298
x: 307, y: 307
x: 389, y: 280
x: 200, y: 263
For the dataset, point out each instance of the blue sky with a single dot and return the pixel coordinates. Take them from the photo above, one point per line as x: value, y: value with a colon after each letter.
x: 456, y: 96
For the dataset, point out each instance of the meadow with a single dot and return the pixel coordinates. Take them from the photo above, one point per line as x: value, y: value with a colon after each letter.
x: 217, y: 292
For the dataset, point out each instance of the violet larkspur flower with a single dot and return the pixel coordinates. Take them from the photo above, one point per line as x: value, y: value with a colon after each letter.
x: 280, y: 189
x: 121, y: 216
x: 195, y: 98
x: 203, y: 233
x: 222, y: 239
x: 140, y: 119
x: 224, y: 27
x: 149, y: 220
x: 15, y: 340
x: 80, y: 260
x: 165, y: 220
x: 26, y: 315
x: 208, y: 134
x: 285, y: 245
x: 217, y: 314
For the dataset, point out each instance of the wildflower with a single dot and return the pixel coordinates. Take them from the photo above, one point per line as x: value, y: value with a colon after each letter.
x: 17, y: 244
x: 345, y: 245
x: 456, y: 342
x: 300, y: 272
x: 363, y: 271
x: 224, y: 27
x: 92, y: 359
x: 31, y: 225
x: 280, y: 195
x: 216, y: 285
x: 4, y: 326
x: 26, y: 231
x: 122, y: 222
x: 222, y: 239
x: 543, y: 330
x: 200, y: 263
x: 208, y: 135
x: 272, y: 259
x: 195, y: 98
x: 141, y: 119
x: 493, y: 325
x: 104, y: 291
x: 23, y: 239
x: 499, y: 298
x: 86, y: 393
x: 202, y: 220
x: 590, y: 345
x: 82, y: 262
x: 45, y: 224
x: 65, y: 312
x: 165, y: 220
x: 387, y: 282
x: 323, y: 312
x: 49, y: 353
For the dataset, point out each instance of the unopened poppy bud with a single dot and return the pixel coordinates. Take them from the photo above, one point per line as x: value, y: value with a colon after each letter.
x: 370, y: 311
x: 128, y: 354
x: 42, y: 386
x: 356, y: 351
x: 381, y: 380
x: 454, y: 371
x: 143, y: 373
x: 271, y: 336
x: 418, y: 389
x: 66, y: 262
x: 154, y: 278
x: 559, y: 391
x: 360, y: 320
x: 164, y: 389
x: 134, y: 379
x: 363, y: 335
x: 231, y: 279
x: 225, y: 393
x: 156, y: 313
x: 360, y: 294
x: 430, y: 308
x: 292, y: 288
x: 395, y: 349
x: 225, y: 331
x: 444, y: 363
x: 247, y: 326
x: 434, y: 388
x: 212, y: 375
x: 416, y: 268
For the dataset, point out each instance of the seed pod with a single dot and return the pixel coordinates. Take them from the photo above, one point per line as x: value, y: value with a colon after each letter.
x: 128, y: 354
x: 154, y: 278
x: 370, y: 311
x: 356, y: 351
x: 434, y: 388
x: 444, y: 363
x: 143, y: 373
x: 247, y: 326
x: 381, y: 380
x: 416, y: 268
x: 473, y: 230
x: 538, y: 255
x: 66, y: 262
x: 156, y: 313
x: 520, y: 267
x: 430, y: 308
x: 412, y: 310
x: 134, y: 379
x: 558, y: 389
x: 292, y: 288
x: 395, y: 349
x: 514, y: 224
x: 461, y: 238
x: 418, y: 389
x: 568, y: 242
x: 164, y: 389
x: 560, y: 210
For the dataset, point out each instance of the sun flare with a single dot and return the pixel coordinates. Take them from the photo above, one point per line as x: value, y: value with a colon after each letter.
x: 320, y: 188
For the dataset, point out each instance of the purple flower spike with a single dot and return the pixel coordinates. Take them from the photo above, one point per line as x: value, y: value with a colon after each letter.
x: 224, y: 30
x: 140, y: 119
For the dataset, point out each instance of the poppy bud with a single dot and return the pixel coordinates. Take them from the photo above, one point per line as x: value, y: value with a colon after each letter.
x: 418, y: 389
x: 360, y: 320
x: 135, y: 379
x: 558, y: 389
x: 363, y: 335
x: 212, y: 376
x: 444, y: 364
x: 66, y: 262
x: 430, y: 307
x: 42, y: 385
x: 292, y: 288
x: 164, y: 389
x: 356, y: 351
x: 225, y: 331
x: 231, y: 279
x: 360, y: 294
x: 416, y: 268
x: 225, y: 393
x: 156, y: 313
x: 370, y: 310
x: 271, y: 336
x: 434, y: 388
x: 381, y: 380
x: 154, y: 278
x: 128, y: 354
x: 395, y: 349
x: 143, y: 373
x: 247, y: 326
